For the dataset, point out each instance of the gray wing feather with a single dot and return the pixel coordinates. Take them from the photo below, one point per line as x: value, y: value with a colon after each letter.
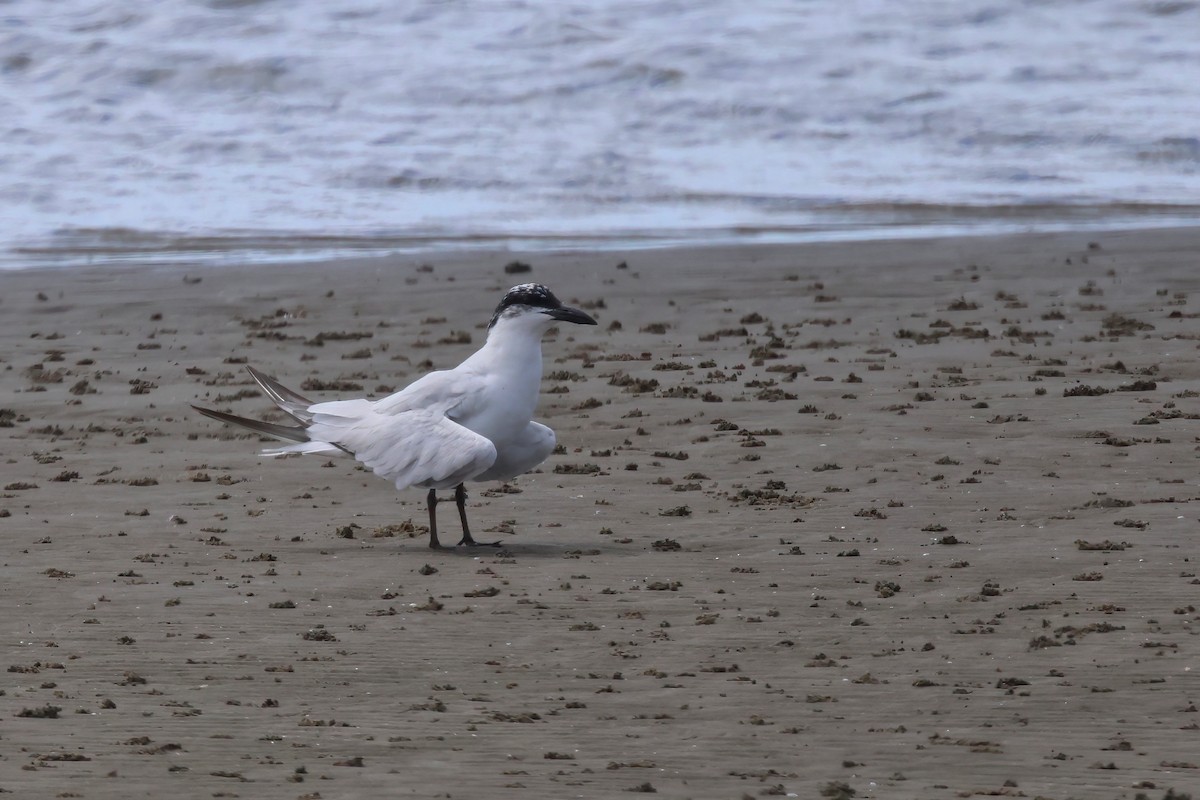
x: 295, y: 434
x: 295, y: 405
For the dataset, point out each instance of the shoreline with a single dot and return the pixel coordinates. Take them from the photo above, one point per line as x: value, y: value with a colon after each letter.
x: 138, y: 249
x: 833, y: 513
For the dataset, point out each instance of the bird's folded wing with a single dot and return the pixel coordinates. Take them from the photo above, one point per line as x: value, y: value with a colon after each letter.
x: 451, y: 391
x: 418, y: 447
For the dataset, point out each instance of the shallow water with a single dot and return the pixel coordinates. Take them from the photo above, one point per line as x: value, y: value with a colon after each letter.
x: 246, y: 129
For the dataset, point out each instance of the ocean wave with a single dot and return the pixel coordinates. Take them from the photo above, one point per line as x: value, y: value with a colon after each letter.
x: 507, y: 119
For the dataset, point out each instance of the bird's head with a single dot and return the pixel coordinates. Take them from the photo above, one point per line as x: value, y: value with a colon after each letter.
x: 534, y: 305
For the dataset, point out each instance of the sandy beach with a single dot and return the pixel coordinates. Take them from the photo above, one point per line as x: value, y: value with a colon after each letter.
x: 907, y: 519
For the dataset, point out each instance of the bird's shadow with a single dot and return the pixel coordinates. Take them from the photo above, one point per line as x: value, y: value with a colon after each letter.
x: 516, y: 550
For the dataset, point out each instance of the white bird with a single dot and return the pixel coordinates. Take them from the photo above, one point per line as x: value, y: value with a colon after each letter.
x: 470, y: 423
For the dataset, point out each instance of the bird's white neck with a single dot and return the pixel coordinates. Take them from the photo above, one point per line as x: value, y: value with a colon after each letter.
x: 515, y: 347
x: 511, y: 362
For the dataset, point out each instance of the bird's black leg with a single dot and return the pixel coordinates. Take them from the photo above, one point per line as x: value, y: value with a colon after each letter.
x: 460, y: 499
x: 432, y: 500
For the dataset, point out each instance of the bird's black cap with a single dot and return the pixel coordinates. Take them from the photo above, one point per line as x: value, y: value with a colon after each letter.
x: 529, y: 294
x: 535, y: 295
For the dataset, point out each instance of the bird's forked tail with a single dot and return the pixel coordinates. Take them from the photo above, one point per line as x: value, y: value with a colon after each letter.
x: 294, y: 405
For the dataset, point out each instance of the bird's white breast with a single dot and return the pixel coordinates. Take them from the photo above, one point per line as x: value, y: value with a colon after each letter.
x: 507, y: 397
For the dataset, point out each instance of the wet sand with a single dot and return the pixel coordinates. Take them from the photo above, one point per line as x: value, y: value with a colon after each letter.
x: 899, y: 519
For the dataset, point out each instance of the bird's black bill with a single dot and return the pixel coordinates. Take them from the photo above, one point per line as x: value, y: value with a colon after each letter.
x: 567, y: 314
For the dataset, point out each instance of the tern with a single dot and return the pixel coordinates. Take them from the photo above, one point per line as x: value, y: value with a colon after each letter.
x: 470, y: 423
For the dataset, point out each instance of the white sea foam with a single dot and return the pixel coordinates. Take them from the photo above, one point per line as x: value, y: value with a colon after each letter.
x: 126, y: 124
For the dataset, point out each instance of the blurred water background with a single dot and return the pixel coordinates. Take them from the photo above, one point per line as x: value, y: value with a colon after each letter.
x: 192, y: 130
